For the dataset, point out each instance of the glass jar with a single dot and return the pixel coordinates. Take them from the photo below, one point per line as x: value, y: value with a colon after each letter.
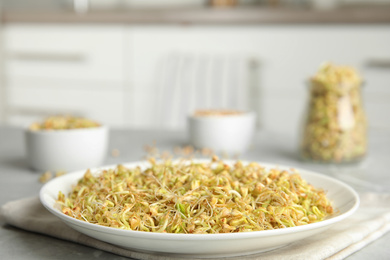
x: 335, y: 128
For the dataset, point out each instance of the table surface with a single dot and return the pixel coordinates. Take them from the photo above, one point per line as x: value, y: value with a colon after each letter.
x: 18, y: 181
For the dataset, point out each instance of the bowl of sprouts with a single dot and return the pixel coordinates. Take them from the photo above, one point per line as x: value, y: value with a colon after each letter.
x: 199, y: 208
x: 65, y: 143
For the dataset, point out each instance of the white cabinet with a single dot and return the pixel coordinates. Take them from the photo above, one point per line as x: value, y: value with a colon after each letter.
x: 75, y: 69
x: 111, y: 73
x: 288, y: 56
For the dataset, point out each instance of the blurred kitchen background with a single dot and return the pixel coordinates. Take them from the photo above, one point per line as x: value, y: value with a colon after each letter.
x: 147, y: 63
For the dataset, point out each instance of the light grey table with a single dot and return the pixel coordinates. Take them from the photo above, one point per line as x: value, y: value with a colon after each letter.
x: 18, y: 181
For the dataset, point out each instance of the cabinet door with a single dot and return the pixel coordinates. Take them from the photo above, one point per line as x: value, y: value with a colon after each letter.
x: 35, y: 102
x: 376, y: 92
x: 64, y: 69
x: 206, y: 61
x: 64, y: 52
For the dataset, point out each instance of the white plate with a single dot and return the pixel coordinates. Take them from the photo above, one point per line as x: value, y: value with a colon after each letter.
x: 345, y: 200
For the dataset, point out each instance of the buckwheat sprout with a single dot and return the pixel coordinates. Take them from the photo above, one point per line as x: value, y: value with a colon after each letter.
x: 196, y: 198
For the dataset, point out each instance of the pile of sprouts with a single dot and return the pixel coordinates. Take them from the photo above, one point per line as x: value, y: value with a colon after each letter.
x: 63, y: 123
x: 196, y: 198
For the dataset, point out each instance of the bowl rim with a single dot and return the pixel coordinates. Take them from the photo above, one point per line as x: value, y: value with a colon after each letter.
x: 242, y: 114
x: 62, y: 131
x: 223, y: 236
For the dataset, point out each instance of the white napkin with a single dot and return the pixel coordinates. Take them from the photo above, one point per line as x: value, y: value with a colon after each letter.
x: 370, y: 222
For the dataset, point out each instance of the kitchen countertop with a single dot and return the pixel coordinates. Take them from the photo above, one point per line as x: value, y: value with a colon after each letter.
x: 204, y: 15
x: 17, y: 181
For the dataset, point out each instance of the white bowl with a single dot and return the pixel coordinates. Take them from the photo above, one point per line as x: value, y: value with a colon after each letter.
x: 66, y: 150
x: 230, y: 134
x: 344, y: 199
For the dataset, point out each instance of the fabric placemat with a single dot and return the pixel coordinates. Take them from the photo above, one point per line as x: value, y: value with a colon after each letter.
x: 370, y: 222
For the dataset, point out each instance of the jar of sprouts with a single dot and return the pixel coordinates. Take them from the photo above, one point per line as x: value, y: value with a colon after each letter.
x: 335, y: 127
